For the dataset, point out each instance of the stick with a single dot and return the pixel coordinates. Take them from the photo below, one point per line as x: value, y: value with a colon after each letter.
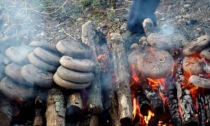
x: 122, y: 83
x: 55, y: 113
x: 94, y: 102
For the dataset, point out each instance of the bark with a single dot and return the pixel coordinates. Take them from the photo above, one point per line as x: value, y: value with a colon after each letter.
x: 55, y: 113
x: 94, y: 102
x: 122, y: 75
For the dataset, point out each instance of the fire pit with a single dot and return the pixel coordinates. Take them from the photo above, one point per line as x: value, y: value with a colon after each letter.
x: 97, y: 81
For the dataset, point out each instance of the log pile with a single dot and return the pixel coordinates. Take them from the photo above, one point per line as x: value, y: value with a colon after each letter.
x: 94, y: 81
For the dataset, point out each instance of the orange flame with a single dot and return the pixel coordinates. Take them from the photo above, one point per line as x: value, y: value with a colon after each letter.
x: 136, y: 109
x: 100, y: 56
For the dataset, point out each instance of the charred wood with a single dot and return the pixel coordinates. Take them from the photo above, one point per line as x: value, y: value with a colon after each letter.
x: 187, y: 111
x: 144, y: 103
x: 201, y: 110
x: 55, y: 113
x: 172, y: 101
x: 74, y: 108
x: 155, y: 100
x: 207, y: 104
x: 94, y: 102
x: 122, y: 75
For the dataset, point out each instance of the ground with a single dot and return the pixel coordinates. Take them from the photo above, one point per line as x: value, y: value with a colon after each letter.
x: 53, y: 20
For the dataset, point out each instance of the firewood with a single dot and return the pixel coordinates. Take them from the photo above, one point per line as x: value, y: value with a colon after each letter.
x: 200, y: 82
x: 172, y: 101
x: 155, y: 100
x: 44, y: 45
x: 196, y: 45
x: 205, y: 53
x: 36, y: 61
x: 38, y: 119
x: 68, y: 84
x: 122, y: 79
x: 36, y: 76
x: 192, y: 65
x: 155, y: 63
x: 47, y: 56
x: 5, y: 111
x: 18, y: 54
x: 187, y: 111
x: 74, y: 49
x: 12, y: 70
x: 144, y: 103
x: 74, y: 109
x: 206, y: 66
x: 55, y: 113
x: 113, y: 111
x: 94, y: 98
x: 74, y: 76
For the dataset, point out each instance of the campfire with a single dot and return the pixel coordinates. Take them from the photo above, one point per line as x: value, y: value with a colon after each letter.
x: 162, y: 80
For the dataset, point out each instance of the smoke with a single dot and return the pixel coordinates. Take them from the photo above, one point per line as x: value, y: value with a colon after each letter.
x: 167, y: 29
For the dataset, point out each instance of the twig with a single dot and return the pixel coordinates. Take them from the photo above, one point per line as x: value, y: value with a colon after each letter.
x: 69, y: 35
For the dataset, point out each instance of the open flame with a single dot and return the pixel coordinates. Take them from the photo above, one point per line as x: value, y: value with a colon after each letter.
x: 150, y: 115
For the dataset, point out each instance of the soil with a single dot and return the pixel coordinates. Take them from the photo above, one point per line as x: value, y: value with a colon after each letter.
x: 54, y: 20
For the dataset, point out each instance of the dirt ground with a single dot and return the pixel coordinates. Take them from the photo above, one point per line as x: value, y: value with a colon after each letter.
x: 53, y: 20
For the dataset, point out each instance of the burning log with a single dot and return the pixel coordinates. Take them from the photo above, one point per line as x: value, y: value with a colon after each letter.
x: 5, y: 111
x: 55, y: 113
x: 196, y: 45
x: 74, y: 109
x: 122, y: 79
x: 187, y: 111
x: 200, y: 82
x: 173, y: 102
x: 94, y: 102
x: 155, y: 100
x: 144, y: 103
